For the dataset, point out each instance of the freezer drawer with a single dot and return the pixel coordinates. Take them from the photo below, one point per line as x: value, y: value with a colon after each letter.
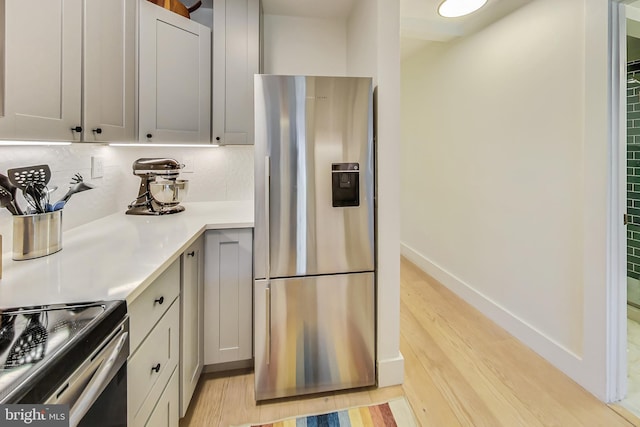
x: 314, y: 334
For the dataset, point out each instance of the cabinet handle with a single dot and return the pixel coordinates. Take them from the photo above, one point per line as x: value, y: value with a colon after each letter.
x: 149, y: 136
x: 156, y: 368
x: 217, y: 138
x: 267, y: 294
x: 158, y: 301
x: 97, y: 130
x: 192, y: 253
x: 76, y: 129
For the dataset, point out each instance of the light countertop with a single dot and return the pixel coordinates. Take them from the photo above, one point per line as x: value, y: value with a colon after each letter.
x: 115, y: 257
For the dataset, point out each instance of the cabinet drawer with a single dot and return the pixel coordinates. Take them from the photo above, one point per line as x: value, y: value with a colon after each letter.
x: 149, y: 369
x: 165, y: 413
x: 148, y: 308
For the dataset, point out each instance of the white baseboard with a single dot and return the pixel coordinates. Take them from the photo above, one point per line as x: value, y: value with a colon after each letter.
x: 391, y: 371
x: 561, y: 357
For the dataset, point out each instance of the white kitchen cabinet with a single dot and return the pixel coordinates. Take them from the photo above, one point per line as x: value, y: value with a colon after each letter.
x: 228, y: 296
x: 165, y: 414
x: 41, y: 81
x: 154, y: 325
x: 109, y: 60
x: 191, y: 322
x: 174, y: 79
x: 236, y: 58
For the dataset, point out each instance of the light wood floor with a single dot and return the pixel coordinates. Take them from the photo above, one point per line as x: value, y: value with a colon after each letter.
x: 460, y: 370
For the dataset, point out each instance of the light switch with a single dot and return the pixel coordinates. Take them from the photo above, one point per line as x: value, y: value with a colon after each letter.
x: 97, y: 167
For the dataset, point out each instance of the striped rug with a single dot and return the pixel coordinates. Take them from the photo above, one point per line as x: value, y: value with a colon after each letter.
x: 395, y: 413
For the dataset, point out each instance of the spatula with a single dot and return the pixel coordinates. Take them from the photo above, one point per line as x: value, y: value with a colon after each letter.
x: 27, y: 177
x: 21, y: 177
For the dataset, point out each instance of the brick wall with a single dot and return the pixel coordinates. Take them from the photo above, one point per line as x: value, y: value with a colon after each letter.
x: 633, y: 171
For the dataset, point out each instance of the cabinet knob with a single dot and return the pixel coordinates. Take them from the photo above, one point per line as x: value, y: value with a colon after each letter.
x: 97, y: 130
x: 76, y: 129
x: 158, y: 301
x: 217, y: 138
x: 192, y: 253
x: 156, y: 368
x: 149, y: 135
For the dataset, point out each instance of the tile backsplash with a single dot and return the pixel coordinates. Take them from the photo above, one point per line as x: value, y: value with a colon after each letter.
x: 214, y: 174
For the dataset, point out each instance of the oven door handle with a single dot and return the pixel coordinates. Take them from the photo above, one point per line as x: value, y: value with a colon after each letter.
x: 97, y: 384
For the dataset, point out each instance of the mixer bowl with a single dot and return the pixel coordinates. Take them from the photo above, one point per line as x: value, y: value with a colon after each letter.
x: 169, y: 192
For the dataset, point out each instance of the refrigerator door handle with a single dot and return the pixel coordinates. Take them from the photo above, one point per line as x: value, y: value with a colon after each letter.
x: 267, y: 201
x: 267, y: 297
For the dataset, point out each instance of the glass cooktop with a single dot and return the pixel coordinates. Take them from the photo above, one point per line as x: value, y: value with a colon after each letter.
x: 32, y: 338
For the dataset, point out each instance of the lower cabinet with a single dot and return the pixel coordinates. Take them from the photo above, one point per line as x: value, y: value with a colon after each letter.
x: 228, y: 296
x: 154, y: 318
x: 191, y: 322
x: 197, y: 312
x: 165, y: 414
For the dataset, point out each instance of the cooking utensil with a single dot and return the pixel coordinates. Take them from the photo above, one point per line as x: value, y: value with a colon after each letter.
x: 31, y: 180
x: 11, y: 189
x: 21, y: 177
x: 36, y: 195
x: 6, y: 201
x: 77, y: 186
x: 30, y: 345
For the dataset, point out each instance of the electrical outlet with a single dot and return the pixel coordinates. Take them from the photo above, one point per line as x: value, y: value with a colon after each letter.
x: 188, y: 164
x: 97, y: 167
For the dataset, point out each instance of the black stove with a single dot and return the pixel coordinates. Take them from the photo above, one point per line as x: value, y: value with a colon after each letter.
x: 41, y: 346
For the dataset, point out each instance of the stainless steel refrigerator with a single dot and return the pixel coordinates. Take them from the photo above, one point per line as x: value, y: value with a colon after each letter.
x: 314, y: 293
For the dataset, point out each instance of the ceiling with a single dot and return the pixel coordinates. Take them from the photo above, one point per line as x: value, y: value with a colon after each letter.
x: 420, y: 23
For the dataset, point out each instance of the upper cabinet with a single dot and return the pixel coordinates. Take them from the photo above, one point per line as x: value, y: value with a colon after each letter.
x: 43, y: 94
x: 109, y: 70
x: 127, y: 71
x: 236, y: 58
x: 174, y: 77
x: 40, y: 90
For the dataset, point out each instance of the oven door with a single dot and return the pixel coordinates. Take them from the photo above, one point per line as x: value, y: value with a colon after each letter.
x: 96, y: 392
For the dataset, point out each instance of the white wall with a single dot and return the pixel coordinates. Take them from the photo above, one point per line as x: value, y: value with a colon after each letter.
x: 305, y: 46
x: 223, y: 173
x: 374, y: 50
x: 504, y: 177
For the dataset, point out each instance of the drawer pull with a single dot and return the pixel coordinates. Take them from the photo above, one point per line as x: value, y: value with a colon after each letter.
x: 158, y: 301
x: 192, y: 253
x: 156, y: 368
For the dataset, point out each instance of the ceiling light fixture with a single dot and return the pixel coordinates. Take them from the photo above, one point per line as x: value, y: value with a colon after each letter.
x: 456, y: 8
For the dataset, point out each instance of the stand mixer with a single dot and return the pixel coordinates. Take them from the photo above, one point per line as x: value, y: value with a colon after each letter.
x: 160, y: 191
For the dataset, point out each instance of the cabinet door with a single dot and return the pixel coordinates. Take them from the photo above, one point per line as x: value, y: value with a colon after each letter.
x: 174, y: 77
x: 192, y: 322
x: 165, y: 414
x: 109, y: 70
x: 41, y: 74
x: 236, y: 59
x: 228, y: 296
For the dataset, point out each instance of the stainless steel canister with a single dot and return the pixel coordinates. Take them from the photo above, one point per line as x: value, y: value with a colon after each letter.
x: 38, y: 235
